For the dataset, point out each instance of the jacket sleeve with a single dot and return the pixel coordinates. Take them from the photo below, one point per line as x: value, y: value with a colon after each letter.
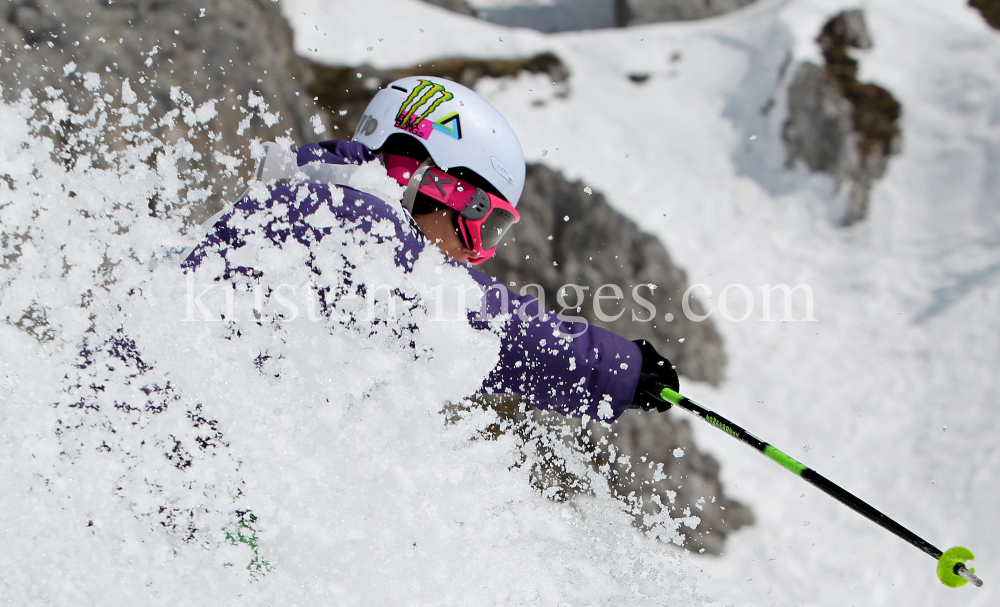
x: 335, y: 151
x: 573, y: 368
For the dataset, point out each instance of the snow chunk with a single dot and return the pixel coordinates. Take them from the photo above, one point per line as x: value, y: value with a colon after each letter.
x: 604, y: 410
x: 128, y: 95
x: 92, y: 81
x: 317, y: 123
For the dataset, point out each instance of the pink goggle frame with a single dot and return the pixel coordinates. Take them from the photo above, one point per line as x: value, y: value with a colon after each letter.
x: 482, y: 218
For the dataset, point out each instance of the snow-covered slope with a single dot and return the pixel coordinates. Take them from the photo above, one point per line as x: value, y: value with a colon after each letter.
x: 124, y: 465
x: 907, y: 340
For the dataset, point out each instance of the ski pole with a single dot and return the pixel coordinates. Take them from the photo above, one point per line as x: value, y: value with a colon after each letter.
x: 951, y: 567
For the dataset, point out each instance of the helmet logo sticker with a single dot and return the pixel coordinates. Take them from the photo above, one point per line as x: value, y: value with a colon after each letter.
x: 421, y: 103
x: 452, y: 131
x: 430, y: 178
x: 500, y: 168
x: 367, y: 126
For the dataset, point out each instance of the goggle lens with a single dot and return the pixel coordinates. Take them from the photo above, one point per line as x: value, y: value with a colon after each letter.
x: 495, y: 226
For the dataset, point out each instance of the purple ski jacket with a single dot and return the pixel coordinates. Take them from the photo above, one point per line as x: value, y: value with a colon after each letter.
x: 594, y: 373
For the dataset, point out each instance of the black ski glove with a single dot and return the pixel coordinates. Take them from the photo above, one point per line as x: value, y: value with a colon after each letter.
x: 656, y: 373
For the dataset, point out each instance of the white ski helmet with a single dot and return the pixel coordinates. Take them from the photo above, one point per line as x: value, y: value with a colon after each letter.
x: 456, y: 126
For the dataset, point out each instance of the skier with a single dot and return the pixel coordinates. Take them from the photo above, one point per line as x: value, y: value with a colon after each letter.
x: 463, y: 172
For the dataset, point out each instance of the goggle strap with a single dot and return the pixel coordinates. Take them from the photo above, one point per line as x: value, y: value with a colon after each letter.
x: 410, y: 194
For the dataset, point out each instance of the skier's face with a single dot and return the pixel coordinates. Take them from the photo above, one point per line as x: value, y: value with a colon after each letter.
x: 439, y: 228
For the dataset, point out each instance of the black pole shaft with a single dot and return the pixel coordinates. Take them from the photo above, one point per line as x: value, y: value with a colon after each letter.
x: 864, y: 509
x: 796, y: 467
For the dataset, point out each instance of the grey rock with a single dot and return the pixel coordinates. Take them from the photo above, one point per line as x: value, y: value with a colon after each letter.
x: 820, y: 126
x: 636, y: 12
x: 557, y: 16
x: 691, y: 485
x: 990, y: 10
x: 599, y: 246
x: 637, y: 458
x: 459, y: 6
x: 575, y: 15
x: 238, y: 46
x: 839, y: 125
x: 851, y: 27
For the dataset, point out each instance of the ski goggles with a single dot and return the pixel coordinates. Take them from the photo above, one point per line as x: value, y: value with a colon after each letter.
x: 482, y: 218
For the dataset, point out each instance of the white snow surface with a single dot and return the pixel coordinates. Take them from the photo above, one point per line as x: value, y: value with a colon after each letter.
x: 121, y: 479
x: 907, y: 340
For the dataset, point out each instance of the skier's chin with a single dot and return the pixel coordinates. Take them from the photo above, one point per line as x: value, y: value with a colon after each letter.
x: 462, y: 256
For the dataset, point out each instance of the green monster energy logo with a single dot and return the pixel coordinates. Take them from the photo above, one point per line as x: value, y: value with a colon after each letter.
x: 426, y: 92
x: 716, y: 422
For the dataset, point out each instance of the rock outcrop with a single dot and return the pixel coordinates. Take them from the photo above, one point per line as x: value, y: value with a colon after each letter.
x: 691, y: 486
x: 553, y: 16
x: 990, y: 10
x: 649, y: 460
x: 636, y: 12
x: 839, y: 125
x: 459, y: 6
x: 570, y: 237
x: 575, y: 15
x: 173, y: 55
